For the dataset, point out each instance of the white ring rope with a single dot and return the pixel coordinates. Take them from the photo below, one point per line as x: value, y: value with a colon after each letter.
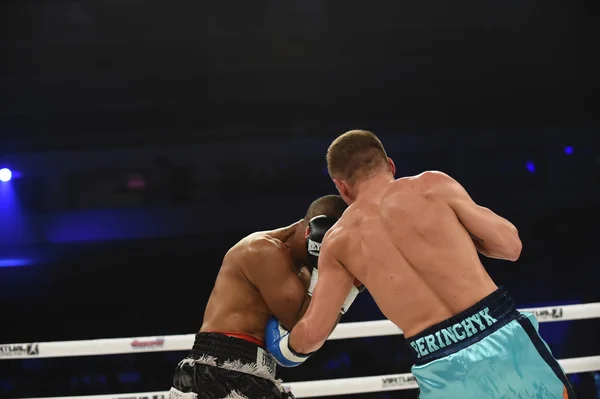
x: 305, y: 389
x: 114, y: 346
x: 347, y: 386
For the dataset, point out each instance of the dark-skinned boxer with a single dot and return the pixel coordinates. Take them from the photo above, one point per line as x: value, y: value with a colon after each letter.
x: 265, y: 274
x: 283, y: 354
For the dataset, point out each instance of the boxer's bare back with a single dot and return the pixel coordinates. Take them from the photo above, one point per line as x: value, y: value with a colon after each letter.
x: 413, y: 242
x: 248, y: 288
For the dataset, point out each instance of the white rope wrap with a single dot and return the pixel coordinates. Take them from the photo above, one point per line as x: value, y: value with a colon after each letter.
x: 306, y: 389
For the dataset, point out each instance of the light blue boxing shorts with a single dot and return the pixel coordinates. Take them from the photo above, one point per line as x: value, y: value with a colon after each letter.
x: 489, y: 351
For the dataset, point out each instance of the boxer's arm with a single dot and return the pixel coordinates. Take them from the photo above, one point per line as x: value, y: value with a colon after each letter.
x: 493, y: 236
x: 304, y: 275
x: 273, y: 273
x: 329, y: 296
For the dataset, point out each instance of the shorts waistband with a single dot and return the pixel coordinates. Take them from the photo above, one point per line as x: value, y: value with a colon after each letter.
x: 243, y: 336
x: 465, y: 328
x: 232, y: 353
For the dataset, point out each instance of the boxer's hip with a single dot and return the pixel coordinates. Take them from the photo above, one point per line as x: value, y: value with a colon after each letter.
x: 221, y: 366
x: 490, y: 350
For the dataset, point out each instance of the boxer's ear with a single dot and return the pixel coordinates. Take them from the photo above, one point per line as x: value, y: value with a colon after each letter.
x: 392, y: 166
x: 306, y: 232
x: 343, y: 189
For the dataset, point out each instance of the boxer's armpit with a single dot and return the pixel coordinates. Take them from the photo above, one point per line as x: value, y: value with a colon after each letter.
x: 480, y: 246
x: 476, y: 239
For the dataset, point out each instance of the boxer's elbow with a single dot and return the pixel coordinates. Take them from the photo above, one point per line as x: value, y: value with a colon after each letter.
x: 515, y: 250
x: 513, y: 244
x: 509, y: 247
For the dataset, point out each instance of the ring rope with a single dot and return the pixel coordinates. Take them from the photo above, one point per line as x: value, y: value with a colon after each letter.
x: 304, y: 389
x: 377, y: 328
x: 348, y: 386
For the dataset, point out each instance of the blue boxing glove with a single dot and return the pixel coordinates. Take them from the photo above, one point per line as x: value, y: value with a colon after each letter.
x: 277, y: 342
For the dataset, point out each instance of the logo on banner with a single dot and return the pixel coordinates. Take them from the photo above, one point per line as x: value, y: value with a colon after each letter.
x: 397, y: 381
x: 19, y: 350
x: 551, y: 313
x: 150, y: 343
x: 287, y: 388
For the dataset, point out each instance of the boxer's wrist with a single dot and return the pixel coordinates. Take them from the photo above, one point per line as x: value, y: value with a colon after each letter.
x: 356, y: 289
x: 289, y: 356
x: 277, y: 343
x: 299, y: 354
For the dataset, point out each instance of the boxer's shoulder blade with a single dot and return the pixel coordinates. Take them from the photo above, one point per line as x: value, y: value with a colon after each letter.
x: 255, y: 244
x: 409, y: 197
x: 263, y: 252
x: 336, y: 236
x: 427, y: 182
x: 265, y: 244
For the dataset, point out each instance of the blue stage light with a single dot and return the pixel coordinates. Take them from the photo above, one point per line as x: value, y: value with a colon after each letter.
x: 5, y: 174
x: 569, y: 150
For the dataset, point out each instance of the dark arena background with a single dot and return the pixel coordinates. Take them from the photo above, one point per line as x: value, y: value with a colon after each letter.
x: 139, y: 140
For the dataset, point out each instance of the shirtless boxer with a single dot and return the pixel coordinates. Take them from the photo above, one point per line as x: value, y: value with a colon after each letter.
x: 262, y: 275
x: 413, y: 242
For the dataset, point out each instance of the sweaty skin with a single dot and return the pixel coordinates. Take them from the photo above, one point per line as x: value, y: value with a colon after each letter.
x: 257, y: 279
x: 413, y: 243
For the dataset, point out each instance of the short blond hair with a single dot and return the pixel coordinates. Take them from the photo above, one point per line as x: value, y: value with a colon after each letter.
x: 355, y: 154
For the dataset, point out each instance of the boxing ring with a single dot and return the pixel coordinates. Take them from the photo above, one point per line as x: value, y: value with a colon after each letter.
x: 305, y: 389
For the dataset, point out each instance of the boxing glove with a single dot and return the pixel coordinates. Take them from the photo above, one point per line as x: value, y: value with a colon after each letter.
x: 277, y: 342
x: 317, y: 228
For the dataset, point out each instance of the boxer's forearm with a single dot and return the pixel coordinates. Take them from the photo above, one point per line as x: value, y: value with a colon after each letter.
x: 305, y: 339
x: 298, y: 313
x: 304, y: 276
x: 509, y: 252
x: 303, y: 309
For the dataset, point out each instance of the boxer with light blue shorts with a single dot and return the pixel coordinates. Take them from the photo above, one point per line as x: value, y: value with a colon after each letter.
x: 490, y: 350
x: 414, y: 243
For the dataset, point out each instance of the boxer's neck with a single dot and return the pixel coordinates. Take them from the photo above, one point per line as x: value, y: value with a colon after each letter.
x: 297, y: 245
x: 371, y: 187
